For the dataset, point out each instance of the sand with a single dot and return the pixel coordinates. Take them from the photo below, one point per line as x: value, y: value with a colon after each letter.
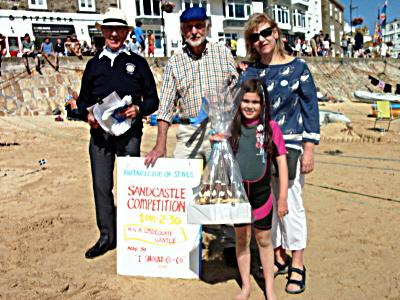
x: 47, y: 218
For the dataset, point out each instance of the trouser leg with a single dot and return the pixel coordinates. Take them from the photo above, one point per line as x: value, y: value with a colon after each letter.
x: 102, y: 159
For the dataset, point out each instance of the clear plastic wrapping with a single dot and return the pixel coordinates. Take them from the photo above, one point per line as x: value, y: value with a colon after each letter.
x: 221, y: 189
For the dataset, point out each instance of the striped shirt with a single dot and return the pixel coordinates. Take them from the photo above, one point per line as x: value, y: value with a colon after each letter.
x: 189, y: 78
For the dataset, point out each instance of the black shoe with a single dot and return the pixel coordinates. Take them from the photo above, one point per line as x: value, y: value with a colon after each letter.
x: 39, y: 71
x: 101, y: 247
x: 28, y: 71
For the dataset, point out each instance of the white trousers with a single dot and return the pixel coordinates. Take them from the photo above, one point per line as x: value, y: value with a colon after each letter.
x: 291, y: 231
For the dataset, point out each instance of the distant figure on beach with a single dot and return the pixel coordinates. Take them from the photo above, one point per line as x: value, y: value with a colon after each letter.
x: 256, y: 141
x: 134, y: 45
x: 71, y: 107
x: 294, y: 107
x: 151, y: 41
x: 59, y: 48
x: 47, y: 50
x: 2, y: 49
x: 358, y: 44
x: 140, y: 36
x: 233, y: 47
x: 344, y: 45
x: 28, y: 50
x: 115, y: 69
x: 384, y: 48
x: 73, y: 47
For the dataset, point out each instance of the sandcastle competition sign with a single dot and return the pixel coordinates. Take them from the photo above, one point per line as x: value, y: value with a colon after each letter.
x: 153, y: 237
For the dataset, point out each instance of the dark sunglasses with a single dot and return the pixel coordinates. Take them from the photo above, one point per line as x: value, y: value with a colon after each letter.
x: 254, y: 37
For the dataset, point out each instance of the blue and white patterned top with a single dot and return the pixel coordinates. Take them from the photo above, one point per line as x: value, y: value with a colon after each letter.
x: 293, y: 99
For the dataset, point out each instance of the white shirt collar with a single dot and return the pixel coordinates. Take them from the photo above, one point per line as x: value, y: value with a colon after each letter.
x: 112, y: 55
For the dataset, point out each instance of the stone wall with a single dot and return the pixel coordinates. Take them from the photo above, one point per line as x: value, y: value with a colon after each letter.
x: 12, y: 4
x: 23, y: 94
x: 35, y: 94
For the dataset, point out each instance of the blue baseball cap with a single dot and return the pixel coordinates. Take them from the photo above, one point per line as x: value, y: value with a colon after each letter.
x: 194, y: 13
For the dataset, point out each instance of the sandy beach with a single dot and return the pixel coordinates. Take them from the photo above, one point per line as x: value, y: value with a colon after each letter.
x: 47, y: 218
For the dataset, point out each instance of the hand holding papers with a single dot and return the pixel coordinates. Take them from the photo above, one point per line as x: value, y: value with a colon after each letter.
x: 107, y: 114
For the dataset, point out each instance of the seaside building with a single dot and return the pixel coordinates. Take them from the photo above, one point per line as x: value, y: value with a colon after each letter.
x: 391, y: 36
x: 333, y: 22
x: 58, y: 19
x: 296, y: 18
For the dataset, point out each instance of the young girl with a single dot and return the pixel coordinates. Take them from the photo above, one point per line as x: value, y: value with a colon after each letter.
x: 256, y: 140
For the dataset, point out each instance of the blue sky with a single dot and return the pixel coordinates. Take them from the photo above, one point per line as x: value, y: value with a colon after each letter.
x: 368, y: 9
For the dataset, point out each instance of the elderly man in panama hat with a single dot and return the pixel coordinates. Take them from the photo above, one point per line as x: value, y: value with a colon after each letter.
x: 115, y: 69
x: 200, y: 68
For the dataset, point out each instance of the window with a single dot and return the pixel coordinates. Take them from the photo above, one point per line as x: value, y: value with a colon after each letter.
x: 340, y: 17
x: 299, y: 19
x: 230, y: 36
x: 281, y: 14
x: 37, y: 4
x: 138, y: 7
x: 239, y: 8
x: 332, y: 33
x: 330, y: 9
x: 87, y: 5
x: 151, y: 8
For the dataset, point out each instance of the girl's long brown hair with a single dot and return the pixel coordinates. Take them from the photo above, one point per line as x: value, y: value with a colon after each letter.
x: 253, y: 86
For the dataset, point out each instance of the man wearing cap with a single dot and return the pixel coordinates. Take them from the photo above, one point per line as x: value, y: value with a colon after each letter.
x: 199, y: 69
x: 114, y: 69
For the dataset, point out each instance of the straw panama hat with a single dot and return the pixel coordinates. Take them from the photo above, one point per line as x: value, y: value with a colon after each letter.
x: 114, y: 17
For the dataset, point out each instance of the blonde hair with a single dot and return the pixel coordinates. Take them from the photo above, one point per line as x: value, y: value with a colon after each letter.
x: 254, y: 21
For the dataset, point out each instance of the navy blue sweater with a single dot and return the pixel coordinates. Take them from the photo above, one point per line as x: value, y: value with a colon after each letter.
x: 293, y: 99
x: 129, y: 75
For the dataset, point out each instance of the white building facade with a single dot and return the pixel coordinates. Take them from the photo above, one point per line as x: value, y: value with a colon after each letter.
x: 56, y: 19
x: 391, y: 36
x: 227, y: 19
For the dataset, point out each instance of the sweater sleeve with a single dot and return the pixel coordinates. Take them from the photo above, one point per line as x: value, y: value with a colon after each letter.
x: 150, y: 100
x: 85, y: 93
x: 309, y: 107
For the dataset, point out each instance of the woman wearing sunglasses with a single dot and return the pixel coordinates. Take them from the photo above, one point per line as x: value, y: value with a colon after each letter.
x: 294, y: 107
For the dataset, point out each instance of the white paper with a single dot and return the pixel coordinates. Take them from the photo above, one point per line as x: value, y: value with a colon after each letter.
x: 103, y: 113
x: 153, y: 236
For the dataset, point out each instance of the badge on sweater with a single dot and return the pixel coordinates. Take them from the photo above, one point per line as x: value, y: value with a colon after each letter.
x: 130, y: 68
